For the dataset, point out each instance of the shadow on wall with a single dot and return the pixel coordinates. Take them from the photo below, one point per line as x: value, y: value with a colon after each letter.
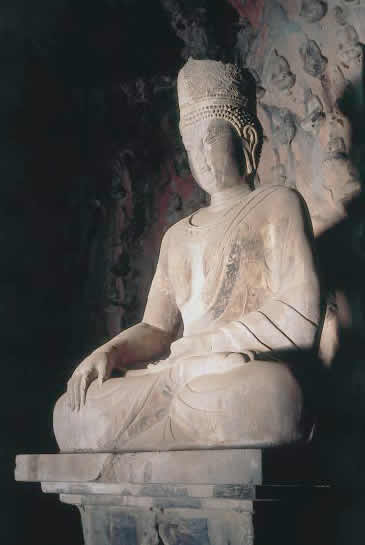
x: 341, y: 438
x: 335, y: 392
x: 341, y: 251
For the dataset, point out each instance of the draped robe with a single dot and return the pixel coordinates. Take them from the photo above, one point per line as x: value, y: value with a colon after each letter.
x: 249, y: 282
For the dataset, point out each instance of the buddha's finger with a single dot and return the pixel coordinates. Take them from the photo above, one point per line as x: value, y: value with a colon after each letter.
x: 76, y: 393
x: 83, y: 389
x: 101, y: 370
x: 70, y: 393
x: 79, y: 392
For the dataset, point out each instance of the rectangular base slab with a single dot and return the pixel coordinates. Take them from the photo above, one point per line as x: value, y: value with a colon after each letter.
x: 231, y: 466
x: 151, y: 498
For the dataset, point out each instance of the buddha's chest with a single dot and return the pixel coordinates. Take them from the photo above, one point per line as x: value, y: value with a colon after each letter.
x: 205, y: 264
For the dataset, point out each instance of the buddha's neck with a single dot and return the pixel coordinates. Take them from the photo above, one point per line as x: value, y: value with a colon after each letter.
x: 224, y: 198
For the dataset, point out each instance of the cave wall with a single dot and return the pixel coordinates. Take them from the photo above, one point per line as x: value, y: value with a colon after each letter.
x: 307, y: 58
x: 101, y: 106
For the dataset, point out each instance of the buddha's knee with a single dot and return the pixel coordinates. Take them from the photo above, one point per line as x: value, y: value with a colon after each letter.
x: 60, y: 419
x: 275, y: 401
x: 258, y: 401
x: 76, y: 429
x: 274, y: 391
x: 273, y: 379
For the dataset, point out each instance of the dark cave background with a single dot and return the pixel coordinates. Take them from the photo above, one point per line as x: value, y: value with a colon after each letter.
x: 89, y: 148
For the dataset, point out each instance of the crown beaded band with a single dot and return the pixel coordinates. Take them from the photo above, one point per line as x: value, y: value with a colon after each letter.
x: 235, y: 115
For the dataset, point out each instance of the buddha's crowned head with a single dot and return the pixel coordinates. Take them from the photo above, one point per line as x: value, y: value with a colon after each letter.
x: 218, y: 122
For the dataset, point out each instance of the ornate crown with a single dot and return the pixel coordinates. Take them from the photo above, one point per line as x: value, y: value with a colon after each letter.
x: 210, y: 84
x: 211, y: 89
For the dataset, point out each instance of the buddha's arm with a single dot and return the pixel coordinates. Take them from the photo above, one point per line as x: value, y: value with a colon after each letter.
x: 139, y: 343
x: 289, y: 320
x: 144, y: 342
x: 152, y: 337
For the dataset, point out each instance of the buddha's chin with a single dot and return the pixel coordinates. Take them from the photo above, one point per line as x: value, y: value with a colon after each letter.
x: 212, y: 185
x: 206, y: 182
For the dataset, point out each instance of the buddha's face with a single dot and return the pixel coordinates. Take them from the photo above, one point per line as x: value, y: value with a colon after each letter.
x: 216, y: 154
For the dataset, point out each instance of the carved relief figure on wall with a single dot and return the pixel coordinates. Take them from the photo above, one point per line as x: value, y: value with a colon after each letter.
x: 238, y: 277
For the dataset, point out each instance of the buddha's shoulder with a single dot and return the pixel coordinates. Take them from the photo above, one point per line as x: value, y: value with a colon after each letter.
x: 175, y: 229
x: 278, y: 195
x: 180, y: 225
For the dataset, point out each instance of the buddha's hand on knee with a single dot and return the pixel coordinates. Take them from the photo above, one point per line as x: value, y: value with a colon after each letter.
x: 97, y: 366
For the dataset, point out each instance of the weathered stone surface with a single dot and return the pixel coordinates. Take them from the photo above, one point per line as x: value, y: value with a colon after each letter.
x: 123, y: 525
x: 214, y: 467
x: 153, y: 490
x: 313, y: 10
x: 115, y: 526
x: 168, y: 505
x: 205, y: 528
x: 147, y: 503
x: 319, y: 42
x: 108, y: 519
x: 55, y: 467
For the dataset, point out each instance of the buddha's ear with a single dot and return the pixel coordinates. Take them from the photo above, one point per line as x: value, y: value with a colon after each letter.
x: 251, y: 137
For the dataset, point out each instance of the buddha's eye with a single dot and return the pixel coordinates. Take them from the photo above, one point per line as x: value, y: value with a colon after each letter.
x: 210, y: 140
x: 216, y: 135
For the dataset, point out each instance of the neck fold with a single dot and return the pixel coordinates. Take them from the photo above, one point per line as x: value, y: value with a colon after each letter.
x: 224, y: 198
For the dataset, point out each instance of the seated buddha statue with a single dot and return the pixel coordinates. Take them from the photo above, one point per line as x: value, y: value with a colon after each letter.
x: 237, y: 278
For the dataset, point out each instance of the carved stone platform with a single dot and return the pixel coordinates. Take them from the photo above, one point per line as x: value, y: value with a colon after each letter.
x: 202, y: 497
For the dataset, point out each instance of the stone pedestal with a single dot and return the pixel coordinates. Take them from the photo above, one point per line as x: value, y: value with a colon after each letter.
x: 152, y: 498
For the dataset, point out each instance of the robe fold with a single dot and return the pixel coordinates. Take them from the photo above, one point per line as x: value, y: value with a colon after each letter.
x: 252, y: 279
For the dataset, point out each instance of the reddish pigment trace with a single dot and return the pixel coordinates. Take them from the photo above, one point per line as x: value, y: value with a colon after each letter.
x: 251, y: 10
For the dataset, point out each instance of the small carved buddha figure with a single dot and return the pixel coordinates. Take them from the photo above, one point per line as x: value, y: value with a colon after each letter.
x: 238, y: 276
